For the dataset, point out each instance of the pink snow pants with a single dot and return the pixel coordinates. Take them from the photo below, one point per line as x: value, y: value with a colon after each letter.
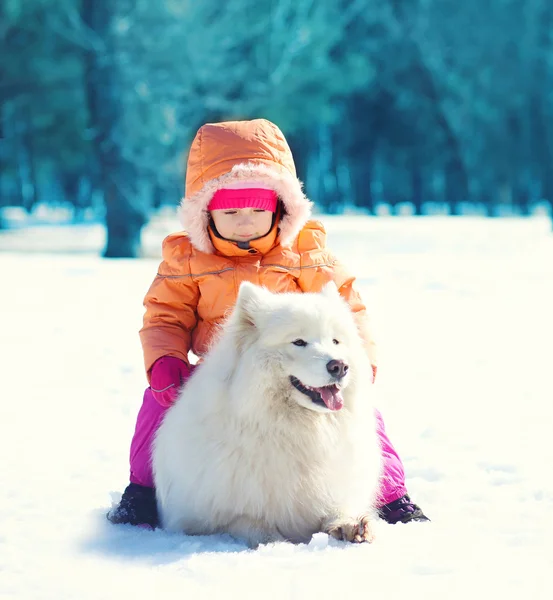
x: 151, y: 414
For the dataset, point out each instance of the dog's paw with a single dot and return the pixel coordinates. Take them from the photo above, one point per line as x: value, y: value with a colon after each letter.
x: 351, y: 530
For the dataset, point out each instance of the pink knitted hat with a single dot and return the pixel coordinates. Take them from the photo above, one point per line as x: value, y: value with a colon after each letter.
x: 227, y: 198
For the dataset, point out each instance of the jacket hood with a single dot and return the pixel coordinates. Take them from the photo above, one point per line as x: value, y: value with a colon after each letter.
x: 250, y: 153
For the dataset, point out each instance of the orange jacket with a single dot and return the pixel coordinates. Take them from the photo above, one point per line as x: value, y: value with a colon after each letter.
x: 197, y: 282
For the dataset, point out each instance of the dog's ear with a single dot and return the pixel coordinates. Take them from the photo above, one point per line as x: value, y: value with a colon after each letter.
x: 330, y: 290
x: 251, y: 304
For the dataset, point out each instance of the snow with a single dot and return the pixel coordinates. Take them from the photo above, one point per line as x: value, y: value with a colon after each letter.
x: 462, y: 308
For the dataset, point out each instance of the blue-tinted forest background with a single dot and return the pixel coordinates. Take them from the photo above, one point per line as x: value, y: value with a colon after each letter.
x: 395, y: 105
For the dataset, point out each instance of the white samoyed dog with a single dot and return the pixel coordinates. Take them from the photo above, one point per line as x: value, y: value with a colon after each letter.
x: 274, y: 436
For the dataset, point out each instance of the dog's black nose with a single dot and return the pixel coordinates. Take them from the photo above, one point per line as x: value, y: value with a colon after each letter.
x: 337, y: 368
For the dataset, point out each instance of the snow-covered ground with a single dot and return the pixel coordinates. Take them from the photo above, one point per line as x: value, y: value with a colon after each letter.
x: 463, y: 309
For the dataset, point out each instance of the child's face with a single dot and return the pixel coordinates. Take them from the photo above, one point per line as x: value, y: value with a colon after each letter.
x: 242, y: 224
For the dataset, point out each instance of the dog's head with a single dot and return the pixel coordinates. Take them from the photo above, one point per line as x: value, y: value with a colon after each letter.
x: 308, y: 344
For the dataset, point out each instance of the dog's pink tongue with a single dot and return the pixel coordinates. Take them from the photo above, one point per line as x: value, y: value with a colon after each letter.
x: 331, y: 397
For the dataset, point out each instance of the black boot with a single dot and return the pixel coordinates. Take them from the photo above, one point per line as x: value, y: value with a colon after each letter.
x: 401, y: 510
x: 137, y: 507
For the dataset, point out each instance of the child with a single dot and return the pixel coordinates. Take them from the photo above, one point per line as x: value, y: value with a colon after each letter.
x: 246, y: 219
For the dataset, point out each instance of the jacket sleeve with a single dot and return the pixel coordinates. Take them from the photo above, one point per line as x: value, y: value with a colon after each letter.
x: 319, y: 266
x: 170, y: 305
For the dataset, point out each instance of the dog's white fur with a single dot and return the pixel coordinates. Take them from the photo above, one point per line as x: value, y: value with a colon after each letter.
x: 242, y: 451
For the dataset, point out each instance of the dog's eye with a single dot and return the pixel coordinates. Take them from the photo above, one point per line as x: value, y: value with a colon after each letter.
x: 299, y: 342
x: 335, y: 341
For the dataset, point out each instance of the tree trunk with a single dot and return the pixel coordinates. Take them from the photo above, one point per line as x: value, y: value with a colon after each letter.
x: 362, y: 180
x: 541, y: 109
x: 491, y: 201
x: 416, y: 188
x: 3, y: 166
x: 521, y: 199
x: 299, y: 144
x: 124, y: 225
x: 126, y: 211
x: 26, y: 172
x: 327, y: 169
x: 456, y: 184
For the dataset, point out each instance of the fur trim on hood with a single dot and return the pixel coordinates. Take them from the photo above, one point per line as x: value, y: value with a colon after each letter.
x: 225, y: 154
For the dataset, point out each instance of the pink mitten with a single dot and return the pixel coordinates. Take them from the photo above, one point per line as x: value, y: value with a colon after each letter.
x: 168, y: 375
